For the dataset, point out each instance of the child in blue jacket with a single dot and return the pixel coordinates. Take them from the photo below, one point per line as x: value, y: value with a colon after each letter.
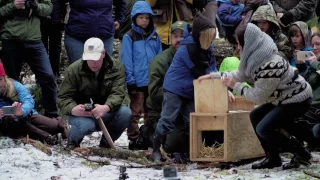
x: 139, y: 46
x: 193, y: 59
x: 229, y: 16
x: 299, y: 37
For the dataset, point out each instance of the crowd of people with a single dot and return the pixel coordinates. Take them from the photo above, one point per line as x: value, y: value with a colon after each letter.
x: 165, y: 46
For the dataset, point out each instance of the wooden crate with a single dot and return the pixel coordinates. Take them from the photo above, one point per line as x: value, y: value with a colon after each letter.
x: 240, y: 141
x: 241, y: 103
x: 212, y: 97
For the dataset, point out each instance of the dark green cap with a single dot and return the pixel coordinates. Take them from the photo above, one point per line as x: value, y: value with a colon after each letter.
x: 178, y: 25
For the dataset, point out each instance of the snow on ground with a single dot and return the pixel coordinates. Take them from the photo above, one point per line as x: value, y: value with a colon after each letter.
x: 19, y: 161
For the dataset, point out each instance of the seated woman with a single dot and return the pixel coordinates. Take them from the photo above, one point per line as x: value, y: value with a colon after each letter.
x: 24, y: 119
x: 283, y: 94
x: 307, y: 127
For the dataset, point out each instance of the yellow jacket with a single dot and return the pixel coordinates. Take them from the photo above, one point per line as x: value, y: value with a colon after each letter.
x: 164, y: 29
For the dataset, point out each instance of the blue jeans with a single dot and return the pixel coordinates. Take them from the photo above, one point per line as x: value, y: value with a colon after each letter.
x: 116, y: 122
x: 35, y: 55
x: 267, y: 118
x: 74, y: 47
x: 172, y: 105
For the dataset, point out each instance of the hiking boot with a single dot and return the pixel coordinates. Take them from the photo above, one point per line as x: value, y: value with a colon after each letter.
x: 63, y: 127
x: 133, y: 145
x: 104, y: 143
x: 296, y: 161
x: 51, y: 140
x: 271, y: 161
x: 71, y: 145
x: 156, y: 153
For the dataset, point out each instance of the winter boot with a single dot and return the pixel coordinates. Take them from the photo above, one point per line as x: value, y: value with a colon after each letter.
x: 272, y: 160
x: 63, y: 127
x: 301, y: 155
x: 51, y: 140
x: 156, y: 154
x: 104, y: 143
x: 296, y: 161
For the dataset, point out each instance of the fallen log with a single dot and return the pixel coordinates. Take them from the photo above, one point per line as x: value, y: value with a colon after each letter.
x: 312, y: 174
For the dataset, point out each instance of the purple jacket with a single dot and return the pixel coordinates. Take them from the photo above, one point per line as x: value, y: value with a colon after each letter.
x: 90, y: 18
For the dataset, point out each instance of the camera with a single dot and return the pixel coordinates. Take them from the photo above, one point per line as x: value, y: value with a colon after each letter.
x: 123, y: 175
x: 170, y: 172
x: 88, y: 107
x: 31, y: 4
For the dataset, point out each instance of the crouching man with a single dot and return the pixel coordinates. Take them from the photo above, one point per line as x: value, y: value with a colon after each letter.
x: 98, y: 77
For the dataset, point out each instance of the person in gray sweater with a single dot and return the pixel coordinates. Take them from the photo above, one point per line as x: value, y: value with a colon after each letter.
x: 278, y: 87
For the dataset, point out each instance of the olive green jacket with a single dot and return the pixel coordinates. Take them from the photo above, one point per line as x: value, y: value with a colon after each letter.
x: 80, y: 84
x: 157, y: 71
x: 18, y: 25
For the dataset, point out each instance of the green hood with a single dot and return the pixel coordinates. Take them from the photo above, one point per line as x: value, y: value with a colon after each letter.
x: 305, y: 32
x: 266, y: 13
x: 229, y: 64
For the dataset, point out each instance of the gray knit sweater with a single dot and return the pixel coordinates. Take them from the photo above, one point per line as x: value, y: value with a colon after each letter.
x: 274, y: 79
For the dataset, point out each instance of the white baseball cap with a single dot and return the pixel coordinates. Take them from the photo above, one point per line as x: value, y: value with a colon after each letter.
x: 93, y: 48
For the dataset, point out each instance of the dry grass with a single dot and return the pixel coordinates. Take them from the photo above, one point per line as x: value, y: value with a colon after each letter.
x: 214, y: 151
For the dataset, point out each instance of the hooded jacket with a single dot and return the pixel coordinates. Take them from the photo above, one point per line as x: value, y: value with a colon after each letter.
x: 306, y: 34
x: 267, y: 13
x: 274, y: 80
x: 180, y: 75
x: 90, y: 18
x: 138, y: 48
x: 301, y: 10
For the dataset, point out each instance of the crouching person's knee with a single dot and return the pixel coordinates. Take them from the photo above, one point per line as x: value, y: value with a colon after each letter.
x: 316, y: 131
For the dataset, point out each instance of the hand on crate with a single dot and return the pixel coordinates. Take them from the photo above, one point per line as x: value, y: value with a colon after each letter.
x: 231, y: 97
x: 229, y: 82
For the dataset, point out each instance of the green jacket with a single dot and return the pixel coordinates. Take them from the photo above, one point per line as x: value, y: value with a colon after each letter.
x: 157, y: 70
x: 80, y: 84
x: 314, y: 81
x: 18, y: 25
x: 267, y: 13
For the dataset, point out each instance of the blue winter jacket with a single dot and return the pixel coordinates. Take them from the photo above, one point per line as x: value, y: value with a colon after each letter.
x: 179, y: 79
x: 23, y: 96
x: 229, y: 14
x: 138, y: 49
x: 293, y: 60
x: 90, y: 18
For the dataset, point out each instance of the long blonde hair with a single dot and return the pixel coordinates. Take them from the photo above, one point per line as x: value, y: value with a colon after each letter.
x: 206, y: 37
x: 8, y: 88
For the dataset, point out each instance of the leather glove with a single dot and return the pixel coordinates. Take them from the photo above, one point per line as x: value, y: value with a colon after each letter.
x: 287, y: 18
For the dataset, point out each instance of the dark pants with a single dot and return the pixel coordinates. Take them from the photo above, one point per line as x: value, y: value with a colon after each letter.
x: 176, y: 141
x: 268, y: 118
x: 51, y: 38
x: 307, y: 127
x: 138, y: 107
x: 172, y: 106
x: 36, y: 126
x: 116, y: 122
x: 34, y: 53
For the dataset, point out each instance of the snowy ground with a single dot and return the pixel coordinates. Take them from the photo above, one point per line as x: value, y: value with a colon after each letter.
x: 26, y: 162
